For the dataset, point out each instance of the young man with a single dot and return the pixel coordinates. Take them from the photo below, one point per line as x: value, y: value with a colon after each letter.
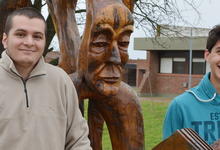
x: 38, y: 103
x: 199, y: 107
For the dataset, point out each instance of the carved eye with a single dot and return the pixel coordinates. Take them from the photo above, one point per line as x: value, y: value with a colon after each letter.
x: 100, y: 44
x: 99, y: 47
x: 123, y: 44
x: 123, y: 41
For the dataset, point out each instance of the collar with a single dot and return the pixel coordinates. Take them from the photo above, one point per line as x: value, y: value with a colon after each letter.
x: 205, y: 91
x: 206, y: 86
x: 7, y: 63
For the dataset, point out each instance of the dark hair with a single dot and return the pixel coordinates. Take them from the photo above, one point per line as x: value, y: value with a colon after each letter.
x: 213, y: 37
x: 29, y: 12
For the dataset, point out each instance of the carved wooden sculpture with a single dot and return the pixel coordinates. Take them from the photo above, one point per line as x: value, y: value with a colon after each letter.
x: 129, y: 4
x: 103, y: 54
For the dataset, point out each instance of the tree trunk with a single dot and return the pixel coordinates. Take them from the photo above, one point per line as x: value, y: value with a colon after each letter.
x: 50, y: 34
x: 63, y: 15
x: 38, y: 4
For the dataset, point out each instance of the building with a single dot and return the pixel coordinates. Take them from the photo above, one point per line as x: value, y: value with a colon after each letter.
x: 135, y: 71
x: 174, y: 63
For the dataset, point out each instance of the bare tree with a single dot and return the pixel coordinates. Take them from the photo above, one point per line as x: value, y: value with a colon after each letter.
x: 151, y: 15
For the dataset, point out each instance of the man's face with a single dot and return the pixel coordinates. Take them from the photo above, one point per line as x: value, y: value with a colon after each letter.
x: 25, y: 41
x: 213, y: 58
x: 108, y: 50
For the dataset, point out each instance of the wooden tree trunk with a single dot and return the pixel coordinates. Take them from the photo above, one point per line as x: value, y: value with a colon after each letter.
x: 96, y: 123
x: 129, y: 4
x: 6, y: 7
x: 63, y: 15
x: 50, y: 34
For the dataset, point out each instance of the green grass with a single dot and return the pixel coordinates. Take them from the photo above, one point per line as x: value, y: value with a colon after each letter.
x: 153, y: 113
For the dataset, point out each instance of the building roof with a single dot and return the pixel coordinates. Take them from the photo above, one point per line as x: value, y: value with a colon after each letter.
x: 166, y: 30
x: 170, y: 43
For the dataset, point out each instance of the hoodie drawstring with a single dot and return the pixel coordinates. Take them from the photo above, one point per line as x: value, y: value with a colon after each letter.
x: 202, y: 100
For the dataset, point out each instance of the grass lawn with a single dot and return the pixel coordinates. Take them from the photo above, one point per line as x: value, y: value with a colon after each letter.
x: 153, y: 113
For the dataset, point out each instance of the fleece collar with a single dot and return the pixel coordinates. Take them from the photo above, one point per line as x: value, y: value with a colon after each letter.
x: 7, y: 63
x: 205, y: 91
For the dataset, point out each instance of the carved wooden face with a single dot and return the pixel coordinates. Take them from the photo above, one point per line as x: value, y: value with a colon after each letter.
x: 107, y: 52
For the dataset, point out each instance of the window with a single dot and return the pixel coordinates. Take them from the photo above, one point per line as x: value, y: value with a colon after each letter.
x: 173, y: 65
x: 178, y: 62
x: 166, y: 65
x: 198, y: 66
x: 179, y: 65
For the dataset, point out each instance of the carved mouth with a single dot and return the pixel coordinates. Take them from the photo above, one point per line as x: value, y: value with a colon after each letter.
x: 111, y: 79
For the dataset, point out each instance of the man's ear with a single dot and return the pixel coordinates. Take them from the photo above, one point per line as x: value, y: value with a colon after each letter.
x: 206, y: 54
x: 4, y: 40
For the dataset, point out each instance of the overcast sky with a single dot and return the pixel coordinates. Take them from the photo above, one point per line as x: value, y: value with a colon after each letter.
x: 209, y: 16
x: 209, y: 10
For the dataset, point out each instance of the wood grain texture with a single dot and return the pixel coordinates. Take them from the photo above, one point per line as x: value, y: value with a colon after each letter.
x: 102, y: 56
x: 63, y: 15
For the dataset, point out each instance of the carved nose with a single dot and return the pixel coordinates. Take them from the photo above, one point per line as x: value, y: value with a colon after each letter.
x: 115, y: 55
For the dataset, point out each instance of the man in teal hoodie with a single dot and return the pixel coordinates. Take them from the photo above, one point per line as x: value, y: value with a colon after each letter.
x: 199, y: 107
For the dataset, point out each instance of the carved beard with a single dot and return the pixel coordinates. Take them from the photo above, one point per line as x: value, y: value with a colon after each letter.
x: 107, y: 89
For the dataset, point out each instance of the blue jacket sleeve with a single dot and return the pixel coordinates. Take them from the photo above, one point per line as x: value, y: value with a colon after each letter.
x: 173, y: 119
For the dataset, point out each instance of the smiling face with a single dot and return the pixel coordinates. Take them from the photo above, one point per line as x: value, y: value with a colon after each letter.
x: 213, y: 58
x: 25, y: 41
x: 107, y: 52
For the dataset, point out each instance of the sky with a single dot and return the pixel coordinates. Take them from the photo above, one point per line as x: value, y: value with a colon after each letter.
x: 209, y: 11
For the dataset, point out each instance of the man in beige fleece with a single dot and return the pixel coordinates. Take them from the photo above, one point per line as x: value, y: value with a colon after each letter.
x: 38, y: 103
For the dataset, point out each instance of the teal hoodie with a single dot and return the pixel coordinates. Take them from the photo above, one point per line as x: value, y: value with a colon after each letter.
x: 197, y: 108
